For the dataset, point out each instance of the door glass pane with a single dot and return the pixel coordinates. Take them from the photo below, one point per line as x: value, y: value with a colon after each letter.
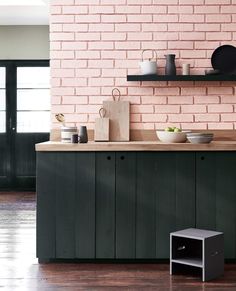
x: 2, y: 99
x: 33, y: 99
x: 2, y: 121
x: 30, y: 121
x: 33, y: 77
x: 2, y: 77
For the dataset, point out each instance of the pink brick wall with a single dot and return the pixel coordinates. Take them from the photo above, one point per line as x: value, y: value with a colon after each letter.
x: 96, y: 43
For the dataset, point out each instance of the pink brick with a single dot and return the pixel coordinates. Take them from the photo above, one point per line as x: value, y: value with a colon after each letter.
x: 142, y: 109
x: 63, y: 72
x: 87, y: 2
x: 125, y: 64
x: 62, y: 2
x: 219, y: 90
x: 59, y: 91
x: 227, y: 27
x: 114, y: 54
x: 167, y: 91
x: 75, y: 100
x: 161, y: 126
x: 220, y: 126
x: 102, y: 27
x: 218, y: 18
x: 154, y: 9
x: 73, y: 82
x: 165, y: 36
x: 140, y: 91
x: 228, y: 117
x: 139, y: 36
x: 112, y: 2
x: 101, y: 82
x: 63, y: 108
x: 193, y: 126
x: 87, y: 108
x: 93, y: 55
x: 206, y: 99
x: 228, y: 99
x: 166, y: 18
x: 207, y: 117
x: 192, y: 36
x: 220, y: 108
x: 180, y: 118
x: 154, y: 117
x: 75, y: 27
x: 167, y: 109
x: 61, y: 19
x: 56, y: 27
x: 135, y: 118
x: 206, y: 9
x: 139, y: 2
x: 165, y: 2
x: 180, y: 100
x: 192, y: 18
x: 207, y: 27
x: 139, y: 18
x: 154, y: 100
x: 101, y: 9
x: 75, y: 45
x: 55, y: 36
x: 55, y: 100
x: 127, y: 27
x: 180, y: 45
x: 180, y: 9
x: 75, y: 10
x: 154, y: 27
x: 87, y: 18
x: 100, y: 64
x: 85, y: 72
x: 193, y: 91
x: 85, y: 36
x: 55, y: 45
x: 131, y: 9
x: 101, y: 45
x: 194, y: 2
x: 127, y: 45
x: 215, y: 2
x: 193, y: 109
x: 113, y: 73
x: 88, y: 91
x: 113, y: 36
x: 61, y: 55
x: 193, y: 54
x: 55, y: 82
x: 180, y: 27
x: 55, y: 10
x: 76, y: 118
x: 218, y: 35
x: 155, y: 45
x: 113, y: 18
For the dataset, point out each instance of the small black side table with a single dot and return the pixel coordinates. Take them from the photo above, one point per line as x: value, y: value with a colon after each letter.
x: 198, y: 248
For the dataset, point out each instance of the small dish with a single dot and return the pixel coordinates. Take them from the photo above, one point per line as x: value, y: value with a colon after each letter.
x: 172, y: 137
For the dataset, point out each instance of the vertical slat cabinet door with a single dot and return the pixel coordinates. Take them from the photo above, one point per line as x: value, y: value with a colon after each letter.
x: 165, y: 202
x: 65, y: 205
x: 125, y: 205
x: 105, y: 205
x: 206, y: 190
x: 45, y: 188
x: 226, y: 200
x: 185, y: 190
x: 146, y: 206
x: 85, y: 205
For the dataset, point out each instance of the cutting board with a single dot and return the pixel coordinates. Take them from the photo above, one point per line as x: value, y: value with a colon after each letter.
x: 101, y: 130
x: 119, y: 114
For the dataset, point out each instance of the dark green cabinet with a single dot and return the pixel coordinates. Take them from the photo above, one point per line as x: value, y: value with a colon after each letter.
x: 216, y: 195
x: 165, y: 200
x: 123, y: 205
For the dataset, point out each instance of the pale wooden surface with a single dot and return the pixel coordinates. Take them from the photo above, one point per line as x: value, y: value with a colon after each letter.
x: 137, y: 146
x: 101, y: 131
x: 119, y: 114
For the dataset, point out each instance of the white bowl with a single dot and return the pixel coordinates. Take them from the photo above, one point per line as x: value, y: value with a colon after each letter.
x: 172, y: 137
x: 200, y: 139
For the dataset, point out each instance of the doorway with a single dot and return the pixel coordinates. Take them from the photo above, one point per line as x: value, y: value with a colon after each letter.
x: 24, y: 120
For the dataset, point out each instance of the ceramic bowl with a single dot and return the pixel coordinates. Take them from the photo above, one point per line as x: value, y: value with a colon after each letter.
x: 200, y: 137
x: 171, y: 137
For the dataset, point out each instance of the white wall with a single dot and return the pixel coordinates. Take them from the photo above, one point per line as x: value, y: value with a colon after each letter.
x: 24, y: 42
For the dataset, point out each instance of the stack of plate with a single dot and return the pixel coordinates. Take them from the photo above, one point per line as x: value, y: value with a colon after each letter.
x: 200, y: 137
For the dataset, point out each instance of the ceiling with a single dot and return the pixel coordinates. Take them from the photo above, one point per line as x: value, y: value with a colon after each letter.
x: 24, y: 12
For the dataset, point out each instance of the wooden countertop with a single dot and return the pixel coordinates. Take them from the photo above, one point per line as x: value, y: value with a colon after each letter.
x: 135, y: 146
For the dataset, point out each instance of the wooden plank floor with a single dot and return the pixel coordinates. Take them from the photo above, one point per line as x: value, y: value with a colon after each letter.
x: 19, y: 269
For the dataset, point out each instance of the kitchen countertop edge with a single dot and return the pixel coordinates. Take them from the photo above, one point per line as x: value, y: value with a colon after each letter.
x: 51, y: 146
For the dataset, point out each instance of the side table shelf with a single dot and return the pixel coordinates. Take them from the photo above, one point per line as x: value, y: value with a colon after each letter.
x: 197, y: 248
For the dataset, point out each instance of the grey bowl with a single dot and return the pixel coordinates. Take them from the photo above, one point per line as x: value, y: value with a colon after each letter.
x: 200, y: 139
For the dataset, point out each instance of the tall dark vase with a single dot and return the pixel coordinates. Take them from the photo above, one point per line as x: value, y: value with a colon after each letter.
x: 83, y: 136
x: 170, y: 65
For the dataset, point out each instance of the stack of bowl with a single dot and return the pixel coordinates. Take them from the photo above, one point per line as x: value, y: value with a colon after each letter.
x: 200, y: 137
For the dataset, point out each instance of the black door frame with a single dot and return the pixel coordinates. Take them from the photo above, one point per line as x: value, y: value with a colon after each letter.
x: 11, y: 111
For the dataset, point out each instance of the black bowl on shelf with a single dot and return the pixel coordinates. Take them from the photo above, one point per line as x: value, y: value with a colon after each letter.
x: 223, y: 59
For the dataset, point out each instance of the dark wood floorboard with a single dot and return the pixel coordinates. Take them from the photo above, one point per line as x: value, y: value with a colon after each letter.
x: 19, y: 269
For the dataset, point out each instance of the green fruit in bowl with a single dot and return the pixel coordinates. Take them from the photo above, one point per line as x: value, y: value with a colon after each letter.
x: 170, y: 129
x: 177, y: 129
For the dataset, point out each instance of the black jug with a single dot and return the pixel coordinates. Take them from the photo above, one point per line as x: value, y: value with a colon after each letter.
x: 170, y: 65
x: 83, y: 135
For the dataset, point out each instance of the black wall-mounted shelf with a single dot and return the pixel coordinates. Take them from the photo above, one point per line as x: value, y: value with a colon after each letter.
x: 181, y: 78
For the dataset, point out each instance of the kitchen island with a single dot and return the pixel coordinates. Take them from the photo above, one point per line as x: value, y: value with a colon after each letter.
x: 121, y: 200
